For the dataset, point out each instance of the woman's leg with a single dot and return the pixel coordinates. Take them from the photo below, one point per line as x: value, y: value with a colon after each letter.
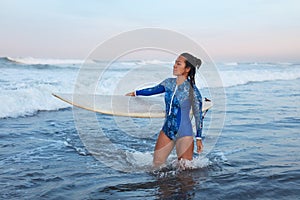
x: 163, y: 148
x: 185, y: 147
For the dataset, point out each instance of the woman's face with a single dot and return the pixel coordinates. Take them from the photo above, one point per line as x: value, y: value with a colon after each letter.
x: 179, y: 68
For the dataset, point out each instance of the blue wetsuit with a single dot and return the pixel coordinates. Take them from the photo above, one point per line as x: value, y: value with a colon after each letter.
x: 178, y: 105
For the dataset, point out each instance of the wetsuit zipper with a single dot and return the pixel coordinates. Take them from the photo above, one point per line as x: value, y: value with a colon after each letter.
x: 172, y: 100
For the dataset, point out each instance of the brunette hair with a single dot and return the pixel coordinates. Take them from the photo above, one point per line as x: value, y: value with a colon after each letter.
x: 191, y: 62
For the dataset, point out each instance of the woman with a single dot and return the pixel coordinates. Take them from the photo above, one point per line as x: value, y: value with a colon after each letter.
x: 181, y: 94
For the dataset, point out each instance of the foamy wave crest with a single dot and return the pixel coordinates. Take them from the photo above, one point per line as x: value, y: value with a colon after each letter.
x: 26, y: 102
x: 26, y: 90
x: 231, y: 64
x: 242, y: 77
x: 41, y: 61
x: 154, y: 62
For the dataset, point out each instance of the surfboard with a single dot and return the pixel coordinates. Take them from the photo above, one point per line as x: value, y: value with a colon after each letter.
x: 119, y: 105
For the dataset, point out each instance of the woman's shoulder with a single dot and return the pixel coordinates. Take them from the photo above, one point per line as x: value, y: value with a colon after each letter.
x: 169, y: 83
x: 169, y: 80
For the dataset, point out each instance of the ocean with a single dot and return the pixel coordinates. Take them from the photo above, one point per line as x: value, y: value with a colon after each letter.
x: 44, y: 156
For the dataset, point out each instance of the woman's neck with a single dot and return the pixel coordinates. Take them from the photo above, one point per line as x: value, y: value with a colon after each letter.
x: 180, y: 79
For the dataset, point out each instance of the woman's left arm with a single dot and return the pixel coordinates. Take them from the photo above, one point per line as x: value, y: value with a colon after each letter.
x: 197, y: 111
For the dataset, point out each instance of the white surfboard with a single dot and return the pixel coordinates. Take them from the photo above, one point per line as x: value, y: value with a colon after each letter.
x: 140, y: 106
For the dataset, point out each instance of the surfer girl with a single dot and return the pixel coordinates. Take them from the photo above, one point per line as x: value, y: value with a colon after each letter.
x: 181, y: 95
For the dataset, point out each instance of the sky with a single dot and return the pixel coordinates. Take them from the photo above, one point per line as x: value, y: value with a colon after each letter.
x: 228, y: 30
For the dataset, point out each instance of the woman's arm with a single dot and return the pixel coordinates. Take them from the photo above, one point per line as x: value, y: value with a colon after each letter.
x: 150, y: 91
x: 197, y: 111
x: 160, y: 88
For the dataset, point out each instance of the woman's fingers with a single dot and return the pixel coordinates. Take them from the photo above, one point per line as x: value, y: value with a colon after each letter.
x: 199, y: 146
x: 130, y: 94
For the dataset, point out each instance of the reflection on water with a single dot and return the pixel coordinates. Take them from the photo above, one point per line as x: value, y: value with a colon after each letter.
x: 180, y: 186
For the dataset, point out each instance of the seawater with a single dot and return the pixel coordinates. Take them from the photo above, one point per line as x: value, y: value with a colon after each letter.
x: 43, y: 156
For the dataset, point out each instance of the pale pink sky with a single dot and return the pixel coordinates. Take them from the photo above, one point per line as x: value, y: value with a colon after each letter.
x: 233, y: 30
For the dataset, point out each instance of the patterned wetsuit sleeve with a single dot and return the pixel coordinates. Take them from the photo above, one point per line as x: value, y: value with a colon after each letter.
x: 160, y: 88
x: 197, y: 111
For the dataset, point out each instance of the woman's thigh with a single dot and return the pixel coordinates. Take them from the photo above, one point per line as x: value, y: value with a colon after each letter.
x: 185, y: 147
x: 163, y: 148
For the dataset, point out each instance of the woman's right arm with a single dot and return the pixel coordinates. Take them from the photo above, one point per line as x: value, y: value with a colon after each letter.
x: 160, y: 88
x: 150, y: 91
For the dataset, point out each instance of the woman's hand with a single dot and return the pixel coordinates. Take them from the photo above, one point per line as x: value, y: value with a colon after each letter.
x: 199, y: 146
x: 131, y: 94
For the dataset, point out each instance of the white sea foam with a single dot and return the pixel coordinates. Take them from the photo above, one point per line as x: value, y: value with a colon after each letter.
x: 231, y: 64
x: 197, y: 163
x: 24, y: 91
x: 44, y: 61
x: 28, y: 101
x: 142, y: 161
x: 155, y: 62
x: 255, y: 72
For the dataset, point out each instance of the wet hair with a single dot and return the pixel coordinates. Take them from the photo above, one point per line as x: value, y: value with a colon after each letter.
x: 191, y: 62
